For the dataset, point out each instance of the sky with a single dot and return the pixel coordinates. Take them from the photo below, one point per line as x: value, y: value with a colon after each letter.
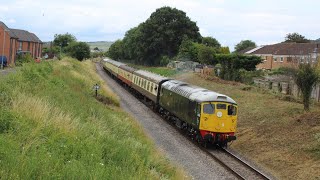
x: 229, y: 21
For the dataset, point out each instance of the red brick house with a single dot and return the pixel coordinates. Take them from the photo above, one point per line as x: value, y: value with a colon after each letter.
x: 15, y: 41
x: 286, y: 54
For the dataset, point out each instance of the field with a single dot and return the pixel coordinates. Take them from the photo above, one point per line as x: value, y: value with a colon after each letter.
x: 103, y: 45
x: 52, y: 127
x: 272, y: 132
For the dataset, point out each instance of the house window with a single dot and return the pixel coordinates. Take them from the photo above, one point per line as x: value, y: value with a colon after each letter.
x: 302, y: 59
x: 281, y: 59
x: 20, y: 46
x: 28, y: 46
x: 275, y: 59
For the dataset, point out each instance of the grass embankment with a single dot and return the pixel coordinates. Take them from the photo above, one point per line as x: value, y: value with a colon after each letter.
x: 51, y: 126
x: 276, y: 134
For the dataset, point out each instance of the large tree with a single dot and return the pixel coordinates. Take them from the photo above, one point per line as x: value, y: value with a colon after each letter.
x: 205, y: 54
x: 160, y: 35
x: 295, y: 37
x: 212, y: 42
x: 244, y: 44
x: 116, y: 50
x: 79, y: 50
x: 188, y: 50
x: 63, y: 40
x: 133, y: 45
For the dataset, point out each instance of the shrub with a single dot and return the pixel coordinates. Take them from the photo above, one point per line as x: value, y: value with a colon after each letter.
x: 247, y: 76
x: 306, y: 77
x: 164, y: 60
x: 21, y: 59
x: 79, y: 50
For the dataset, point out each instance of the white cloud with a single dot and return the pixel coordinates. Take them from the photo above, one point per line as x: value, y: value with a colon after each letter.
x: 226, y: 20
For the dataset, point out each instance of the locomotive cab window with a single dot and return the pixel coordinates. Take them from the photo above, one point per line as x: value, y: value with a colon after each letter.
x: 221, y: 106
x: 198, y: 110
x: 232, y: 110
x: 208, y: 108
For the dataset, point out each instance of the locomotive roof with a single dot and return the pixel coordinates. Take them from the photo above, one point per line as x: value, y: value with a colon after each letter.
x: 195, y: 93
x: 127, y: 68
x: 116, y: 63
x: 150, y: 76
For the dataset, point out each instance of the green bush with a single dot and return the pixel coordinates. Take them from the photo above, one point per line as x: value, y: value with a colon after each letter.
x: 283, y: 71
x: 164, y: 60
x: 306, y: 77
x: 248, y: 76
x: 21, y: 59
x: 79, y: 50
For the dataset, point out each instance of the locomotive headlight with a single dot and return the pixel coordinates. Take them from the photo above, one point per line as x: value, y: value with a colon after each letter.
x: 219, y: 114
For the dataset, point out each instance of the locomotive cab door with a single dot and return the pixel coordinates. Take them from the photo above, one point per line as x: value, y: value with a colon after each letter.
x: 207, y: 116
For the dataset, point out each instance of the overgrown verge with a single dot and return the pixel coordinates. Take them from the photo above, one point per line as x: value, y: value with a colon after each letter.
x: 51, y: 126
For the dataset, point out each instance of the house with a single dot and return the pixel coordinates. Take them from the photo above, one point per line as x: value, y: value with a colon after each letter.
x: 17, y: 41
x: 286, y: 54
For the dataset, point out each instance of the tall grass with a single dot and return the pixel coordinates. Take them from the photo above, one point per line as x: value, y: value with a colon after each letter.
x: 53, y: 127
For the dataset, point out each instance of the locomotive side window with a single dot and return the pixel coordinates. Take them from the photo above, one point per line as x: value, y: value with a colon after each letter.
x: 208, y: 108
x: 198, y: 110
x: 232, y: 110
x: 221, y: 106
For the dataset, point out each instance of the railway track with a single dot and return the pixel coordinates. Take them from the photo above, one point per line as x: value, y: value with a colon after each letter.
x: 232, y: 163
x: 237, y: 166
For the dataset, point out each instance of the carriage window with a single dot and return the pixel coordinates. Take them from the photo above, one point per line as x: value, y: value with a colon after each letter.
x: 221, y: 106
x: 156, y: 88
x: 148, y: 86
x: 208, y: 108
x: 232, y: 110
x: 152, y: 87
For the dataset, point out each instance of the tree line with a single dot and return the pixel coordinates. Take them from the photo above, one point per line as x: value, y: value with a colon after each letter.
x: 166, y: 35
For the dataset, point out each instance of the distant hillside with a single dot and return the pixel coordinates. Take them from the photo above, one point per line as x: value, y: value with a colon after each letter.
x: 103, y: 45
x: 317, y: 40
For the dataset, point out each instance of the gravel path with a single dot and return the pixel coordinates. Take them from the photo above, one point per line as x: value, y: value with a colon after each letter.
x: 177, y: 148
